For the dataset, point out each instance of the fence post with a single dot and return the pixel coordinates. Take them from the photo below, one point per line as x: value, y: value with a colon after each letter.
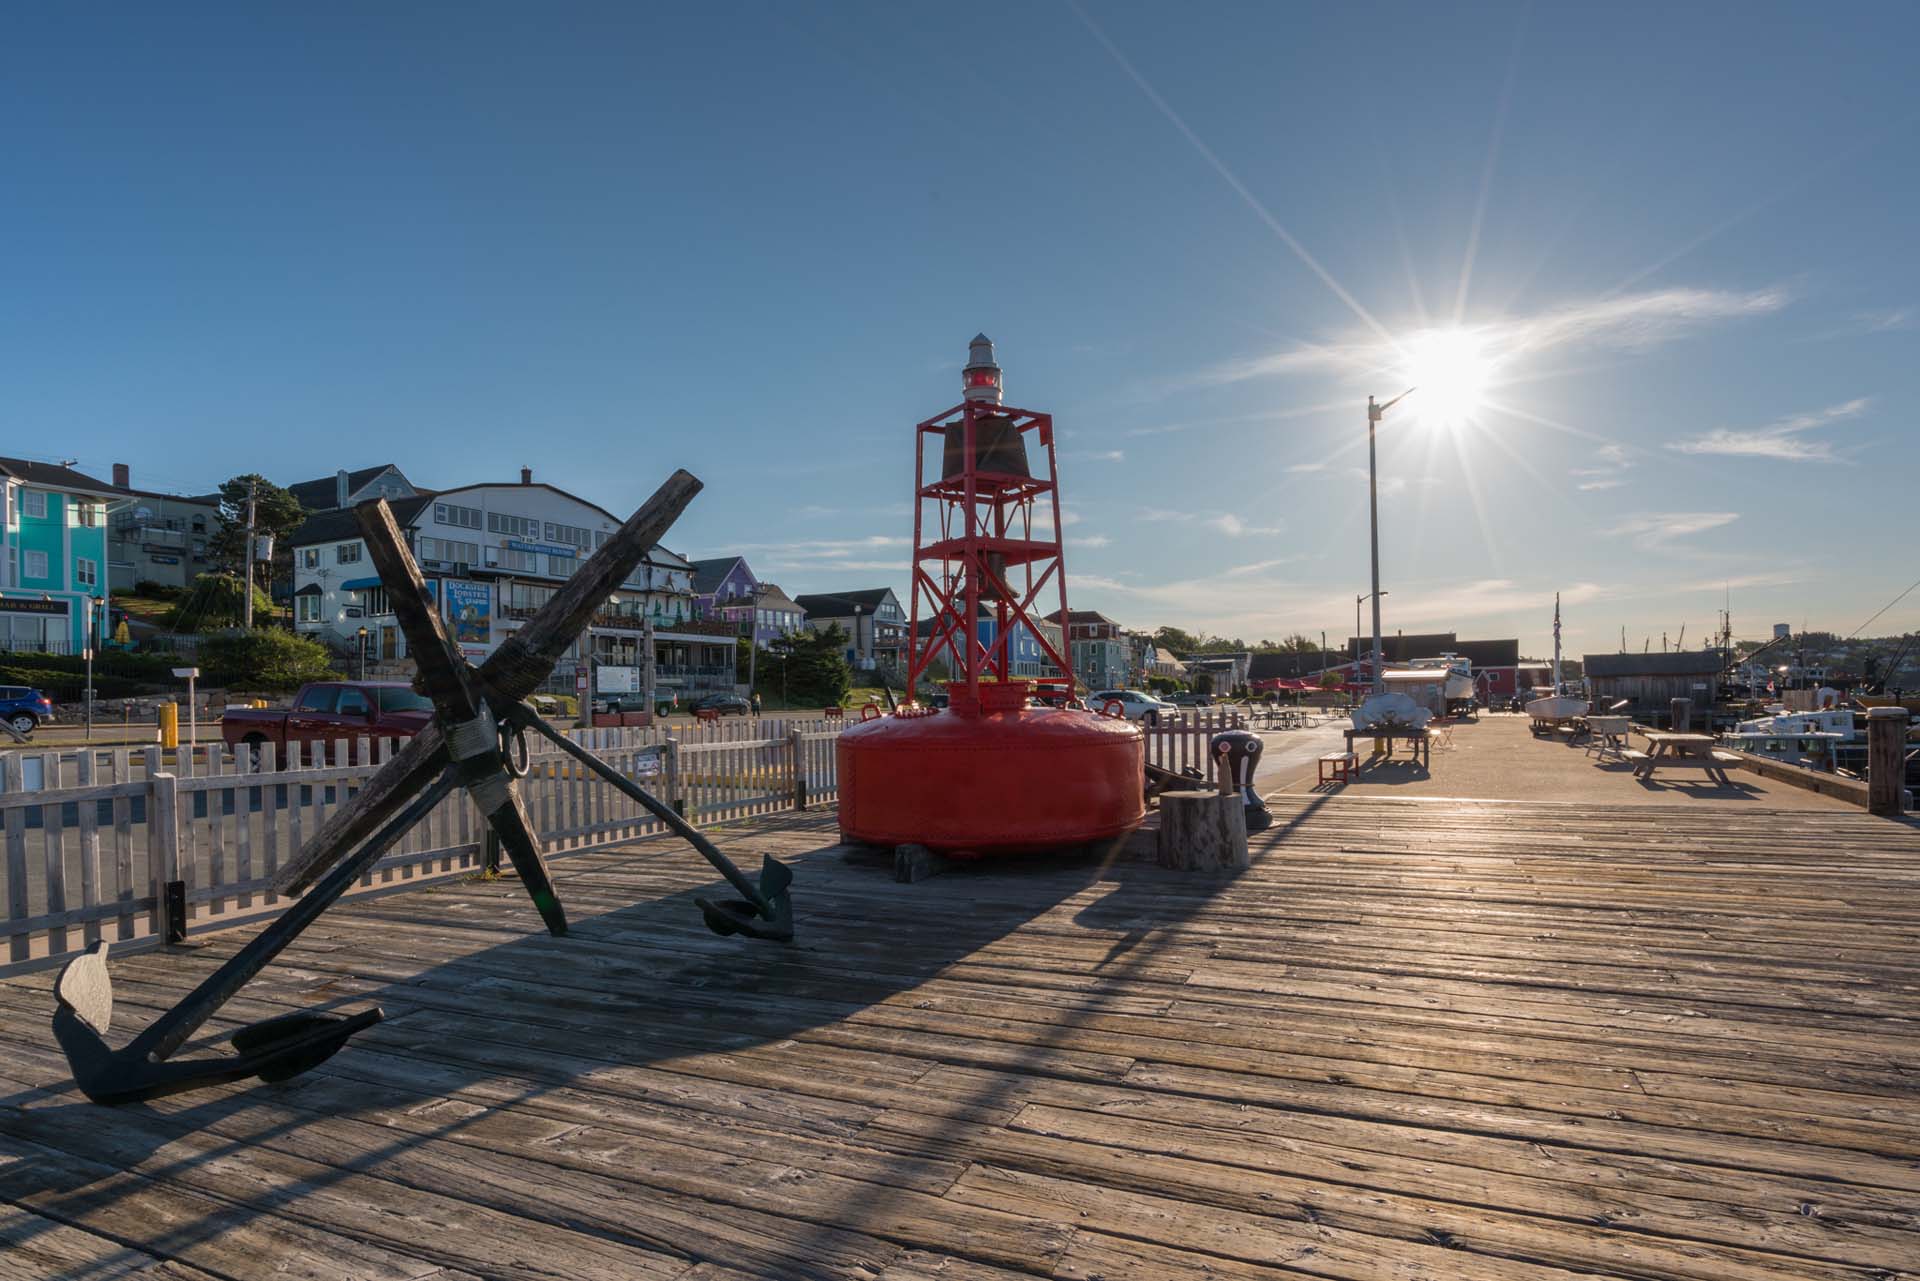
x: 163, y: 857
x: 794, y: 754
x: 1886, y: 760
x: 670, y: 748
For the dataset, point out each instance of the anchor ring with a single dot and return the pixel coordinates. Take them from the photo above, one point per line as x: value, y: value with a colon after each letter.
x: 515, y: 755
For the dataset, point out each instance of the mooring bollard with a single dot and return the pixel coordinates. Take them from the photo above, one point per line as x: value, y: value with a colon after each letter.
x: 1886, y: 760
x: 1682, y: 709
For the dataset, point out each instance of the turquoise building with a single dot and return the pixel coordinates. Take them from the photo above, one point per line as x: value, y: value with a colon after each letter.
x: 53, y: 556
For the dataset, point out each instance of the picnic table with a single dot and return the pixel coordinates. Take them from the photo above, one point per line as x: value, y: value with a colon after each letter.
x: 1418, y: 740
x: 1668, y: 750
x: 1608, y: 734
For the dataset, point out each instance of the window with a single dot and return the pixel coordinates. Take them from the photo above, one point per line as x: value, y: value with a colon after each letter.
x: 320, y: 698
x: 87, y: 513
x: 573, y: 535
x: 34, y: 504
x: 451, y: 550
x: 306, y: 609
x: 33, y: 564
x: 562, y: 566
x: 525, y: 562
x: 347, y: 553
x: 512, y: 526
x: 454, y: 514
x: 402, y: 700
x: 309, y: 557
x: 353, y: 702
x: 86, y: 573
x: 375, y: 601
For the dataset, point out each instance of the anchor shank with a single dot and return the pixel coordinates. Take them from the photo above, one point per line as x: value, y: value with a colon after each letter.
x: 171, y: 1029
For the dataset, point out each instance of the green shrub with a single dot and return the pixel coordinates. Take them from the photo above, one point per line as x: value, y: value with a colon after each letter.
x: 215, y: 601
x: 264, y: 658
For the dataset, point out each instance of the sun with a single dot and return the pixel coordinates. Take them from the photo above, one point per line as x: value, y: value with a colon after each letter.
x: 1451, y: 373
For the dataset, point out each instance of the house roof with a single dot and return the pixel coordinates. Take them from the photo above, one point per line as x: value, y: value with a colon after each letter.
x: 1398, y: 649
x: 339, y: 524
x: 1284, y: 663
x: 54, y: 476
x: 708, y: 574
x: 840, y: 604
x: 320, y: 495
x: 1691, y: 663
x: 770, y: 596
x: 1082, y: 618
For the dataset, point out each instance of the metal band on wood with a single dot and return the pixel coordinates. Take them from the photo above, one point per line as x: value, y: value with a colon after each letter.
x: 476, y: 737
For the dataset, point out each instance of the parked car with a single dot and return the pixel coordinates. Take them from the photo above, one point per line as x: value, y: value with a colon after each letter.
x: 329, y: 711
x: 1135, y: 705
x: 724, y: 704
x: 24, y: 708
x: 1186, y: 699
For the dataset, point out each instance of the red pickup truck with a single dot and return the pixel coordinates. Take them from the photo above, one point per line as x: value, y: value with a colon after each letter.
x: 328, y: 711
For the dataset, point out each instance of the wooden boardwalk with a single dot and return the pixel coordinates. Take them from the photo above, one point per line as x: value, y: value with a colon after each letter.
x: 1420, y: 1039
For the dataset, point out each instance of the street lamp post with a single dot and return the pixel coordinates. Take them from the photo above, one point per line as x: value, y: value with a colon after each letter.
x: 363, y: 653
x: 1358, y: 601
x: 1376, y: 412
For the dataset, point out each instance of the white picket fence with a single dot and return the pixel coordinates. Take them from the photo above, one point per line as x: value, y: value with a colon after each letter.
x: 89, y: 843
x: 1181, y: 742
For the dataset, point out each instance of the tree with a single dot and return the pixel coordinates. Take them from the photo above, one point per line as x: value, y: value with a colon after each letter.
x: 276, y: 512
x: 265, y: 658
x: 808, y: 666
x: 215, y: 601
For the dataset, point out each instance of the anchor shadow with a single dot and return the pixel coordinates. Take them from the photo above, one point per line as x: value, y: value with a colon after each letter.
x: 694, y: 1055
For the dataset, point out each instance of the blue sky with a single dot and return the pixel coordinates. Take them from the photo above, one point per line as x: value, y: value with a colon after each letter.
x: 753, y: 240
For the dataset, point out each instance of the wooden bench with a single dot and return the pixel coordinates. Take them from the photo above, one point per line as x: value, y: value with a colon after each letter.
x: 1343, y: 763
x: 1635, y: 755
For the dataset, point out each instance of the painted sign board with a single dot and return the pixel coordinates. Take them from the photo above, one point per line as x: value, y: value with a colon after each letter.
x: 647, y: 763
x: 470, y: 611
x: 544, y: 549
x: 618, y: 680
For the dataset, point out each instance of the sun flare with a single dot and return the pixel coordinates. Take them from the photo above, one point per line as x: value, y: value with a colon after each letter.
x: 1451, y: 373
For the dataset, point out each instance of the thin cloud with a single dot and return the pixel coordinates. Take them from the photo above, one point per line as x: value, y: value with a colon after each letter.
x: 1631, y: 322
x: 1090, y: 540
x: 1094, y: 455
x: 1591, y: 485
x: 1785, y: 439
x: 1652, y: 530
x: 1306, y: 467
x: 1866, y: 323
x: 1232, y: 526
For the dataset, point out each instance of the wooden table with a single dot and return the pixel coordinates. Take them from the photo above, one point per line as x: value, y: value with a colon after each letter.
x: 1694, y: 750
x: 1420, y: 744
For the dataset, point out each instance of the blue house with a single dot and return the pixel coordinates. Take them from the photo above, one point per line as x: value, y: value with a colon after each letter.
x: 1026, y: 657
x: 53, y: 569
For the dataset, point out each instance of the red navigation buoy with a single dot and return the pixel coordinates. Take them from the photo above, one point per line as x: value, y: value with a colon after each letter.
x: 988, y: 773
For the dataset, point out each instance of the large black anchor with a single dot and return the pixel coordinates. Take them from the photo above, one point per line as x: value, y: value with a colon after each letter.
x: 477, y: 742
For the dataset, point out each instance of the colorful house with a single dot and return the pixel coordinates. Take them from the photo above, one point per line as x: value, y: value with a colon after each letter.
x: 53, y: 570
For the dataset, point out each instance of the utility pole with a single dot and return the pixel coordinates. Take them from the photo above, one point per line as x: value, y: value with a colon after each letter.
x: 247, y: 605
x: 648, y: 675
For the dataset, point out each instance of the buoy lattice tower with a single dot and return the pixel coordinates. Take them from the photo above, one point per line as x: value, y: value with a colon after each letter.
x: 977, y: 542
x: 988, y: 774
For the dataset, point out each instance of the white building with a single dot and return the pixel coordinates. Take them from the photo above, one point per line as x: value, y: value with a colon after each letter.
x: 493, y: 555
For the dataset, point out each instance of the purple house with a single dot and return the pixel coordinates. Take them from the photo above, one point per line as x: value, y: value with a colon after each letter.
x: 724, y: 588
x: 724, y: 578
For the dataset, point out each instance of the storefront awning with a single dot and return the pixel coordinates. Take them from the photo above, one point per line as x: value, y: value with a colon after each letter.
x: 359, y: 584
x: 311, y: 589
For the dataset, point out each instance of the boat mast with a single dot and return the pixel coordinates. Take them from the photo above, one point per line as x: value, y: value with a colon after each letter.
x: 1556, y: 643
